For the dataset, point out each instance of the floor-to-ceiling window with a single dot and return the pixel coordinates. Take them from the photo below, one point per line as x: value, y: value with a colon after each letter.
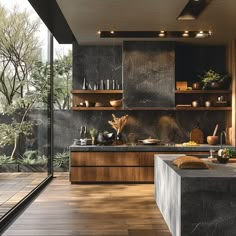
x: 25, y: 103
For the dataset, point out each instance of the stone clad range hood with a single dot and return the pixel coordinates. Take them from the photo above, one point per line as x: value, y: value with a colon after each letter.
x: 148, y: 74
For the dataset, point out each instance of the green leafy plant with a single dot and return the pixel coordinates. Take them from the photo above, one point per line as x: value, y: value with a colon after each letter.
x: 61, y: 159
x: 212, y: 76
x: 32, y: 157
x: 6, y: 160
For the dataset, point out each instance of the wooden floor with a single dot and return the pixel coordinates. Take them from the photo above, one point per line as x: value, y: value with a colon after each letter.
x: 65, y: 209
x: 15, y: 186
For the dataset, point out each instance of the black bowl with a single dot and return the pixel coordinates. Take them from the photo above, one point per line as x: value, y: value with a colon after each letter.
x: 222, y: 160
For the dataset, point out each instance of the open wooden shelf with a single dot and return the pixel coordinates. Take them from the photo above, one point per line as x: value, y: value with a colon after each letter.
x: 202, y: 91
x: 204, y: 108
x: 96, y: 108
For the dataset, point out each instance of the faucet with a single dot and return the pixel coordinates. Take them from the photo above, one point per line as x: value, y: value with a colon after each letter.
x: 221, y: 135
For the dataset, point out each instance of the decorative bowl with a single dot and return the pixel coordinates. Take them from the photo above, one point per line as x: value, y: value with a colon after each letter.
x: 116, y: 103
x: 222, y: 160
x: 89, y: 103
x: 212, y: 140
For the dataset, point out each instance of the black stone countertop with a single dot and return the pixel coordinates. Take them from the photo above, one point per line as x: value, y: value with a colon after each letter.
x: 216, y: 170
x: 146, y: 148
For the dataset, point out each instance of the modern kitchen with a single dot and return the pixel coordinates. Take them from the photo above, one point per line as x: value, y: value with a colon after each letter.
x: 153, y: 107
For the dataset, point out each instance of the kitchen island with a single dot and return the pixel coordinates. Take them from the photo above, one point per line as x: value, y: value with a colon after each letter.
x: 196, y: 201
x: 122, y: 163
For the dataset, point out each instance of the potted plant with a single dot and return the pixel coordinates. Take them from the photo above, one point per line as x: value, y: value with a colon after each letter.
x: 213, y: 80
x: 224, y: 155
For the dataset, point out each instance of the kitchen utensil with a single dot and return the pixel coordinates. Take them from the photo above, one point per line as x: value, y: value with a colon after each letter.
x: 212, y: 140
x: 196, y: 135
x: 215, y: 130
x: 150, y: 141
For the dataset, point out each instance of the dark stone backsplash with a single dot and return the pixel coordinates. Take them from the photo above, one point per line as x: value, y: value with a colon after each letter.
x: 95, y: 63
x: 169, y: 126
x: 149, y: 74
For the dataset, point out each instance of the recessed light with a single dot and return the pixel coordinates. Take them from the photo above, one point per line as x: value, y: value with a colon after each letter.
x: 185, y: 34
x: 155, y: 34
x: 161, y: 34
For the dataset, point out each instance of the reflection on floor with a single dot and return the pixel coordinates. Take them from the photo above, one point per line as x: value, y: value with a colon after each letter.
x: 65, y: 209
x: 15, y: 186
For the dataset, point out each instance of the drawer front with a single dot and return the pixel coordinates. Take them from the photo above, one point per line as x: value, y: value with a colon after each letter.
x: 104, y: 174
x: 104, y: 159
x: 146, y: 174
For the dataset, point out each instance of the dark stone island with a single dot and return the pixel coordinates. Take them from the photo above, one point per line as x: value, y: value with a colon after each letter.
x: 196, y: 202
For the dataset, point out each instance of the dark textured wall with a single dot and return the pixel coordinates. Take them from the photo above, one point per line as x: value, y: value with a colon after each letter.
x: 193, y: 60
x: 99, y: 62
x: 149, y: 74
x: 96, y: 63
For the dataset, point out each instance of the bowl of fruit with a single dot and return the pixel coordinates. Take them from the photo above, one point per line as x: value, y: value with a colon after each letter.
x: 224, y: 155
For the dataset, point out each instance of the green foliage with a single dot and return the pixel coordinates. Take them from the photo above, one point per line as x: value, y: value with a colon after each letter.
x: 61, y: 159
x: 63, y: 81
x: 19, y: 49
x: 32, y: 157
x: 9, y: 132
x: 211, y: 76
x: 6, y: 160
x: 93, y: 132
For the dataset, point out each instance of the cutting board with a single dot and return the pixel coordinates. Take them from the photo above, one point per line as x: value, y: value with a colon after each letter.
x: 196, y: 135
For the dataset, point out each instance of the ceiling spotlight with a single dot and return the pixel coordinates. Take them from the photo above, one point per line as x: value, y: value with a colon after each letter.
x: 185, y: 34
x: 202, y: 34
x: 112, y: 31
x: 161, y: 34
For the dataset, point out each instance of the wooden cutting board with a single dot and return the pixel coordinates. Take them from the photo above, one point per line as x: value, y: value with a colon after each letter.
x: 196, y: 135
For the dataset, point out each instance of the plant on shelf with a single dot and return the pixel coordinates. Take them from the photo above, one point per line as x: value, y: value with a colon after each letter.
x: 213, y: 80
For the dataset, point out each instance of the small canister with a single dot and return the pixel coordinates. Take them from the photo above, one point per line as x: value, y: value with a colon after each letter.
x: 207, y: 103
x: 195, y: 103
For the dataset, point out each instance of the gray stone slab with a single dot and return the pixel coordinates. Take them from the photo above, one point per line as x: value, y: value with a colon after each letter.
x: 196, y: 202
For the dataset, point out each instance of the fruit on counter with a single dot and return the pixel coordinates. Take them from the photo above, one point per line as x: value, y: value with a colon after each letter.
x: 190, y: 143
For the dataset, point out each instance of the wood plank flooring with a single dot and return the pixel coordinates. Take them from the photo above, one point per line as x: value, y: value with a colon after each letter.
x: 15, y: 186
x: 65, y: 209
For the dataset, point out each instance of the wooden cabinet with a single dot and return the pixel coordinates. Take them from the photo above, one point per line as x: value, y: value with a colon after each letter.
x: 111, y: 167
x: 184, y: 98
x: 96, y: 97
x: 115, y: 167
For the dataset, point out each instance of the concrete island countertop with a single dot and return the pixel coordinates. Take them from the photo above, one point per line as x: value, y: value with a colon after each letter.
x: 146, y: 148
x: 196, y: 201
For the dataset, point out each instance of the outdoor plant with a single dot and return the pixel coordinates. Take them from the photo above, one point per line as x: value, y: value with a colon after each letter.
x: 61, y: 159
x: 32, y: 157
x: 6, y: 160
